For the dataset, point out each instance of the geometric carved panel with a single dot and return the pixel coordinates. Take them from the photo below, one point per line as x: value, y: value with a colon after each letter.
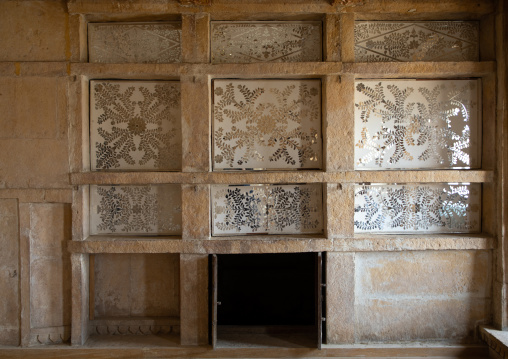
x: 272, y: 209
x: 417, y: 208
x: 413, y: 124
x: 265, y: 41
x: 134, y: 42
x: 266, y: 124
x: 148, y: 210
x: 135, y: 125
x: 416, y: 41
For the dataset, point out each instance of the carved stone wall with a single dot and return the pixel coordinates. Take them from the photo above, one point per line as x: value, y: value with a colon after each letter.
x: 341, y: 63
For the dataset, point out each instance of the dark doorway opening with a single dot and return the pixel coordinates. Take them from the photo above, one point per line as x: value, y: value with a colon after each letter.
x: 266, y: 300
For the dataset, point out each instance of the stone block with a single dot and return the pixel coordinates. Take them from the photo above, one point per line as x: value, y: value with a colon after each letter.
x: 194, y: 299
x: 407, y: 296
x: 38, y: 163
x: 196, y: 211
x: 152, y: 288
x: 340, y: 298
x: 9, y: 273
x: 50, y: 268
x: 33, y: 107
x: 33, y: 31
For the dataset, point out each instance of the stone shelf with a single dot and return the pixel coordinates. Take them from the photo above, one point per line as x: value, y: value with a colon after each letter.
x: 300, y: 70
x: 419, y: 69
x: 227, y: 9
x: 247, y: 177
x: 281, y: 244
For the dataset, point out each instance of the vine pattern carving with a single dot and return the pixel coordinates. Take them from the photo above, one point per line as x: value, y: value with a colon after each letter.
x: 266, y: 41
x: 417, y: 124
x: 135, y: 125
x: 136, y: 209
x: 267, y: 124
x: 271, y: 209
x: 437, y: 208
x: 135, y: 42
x: 416, y: 41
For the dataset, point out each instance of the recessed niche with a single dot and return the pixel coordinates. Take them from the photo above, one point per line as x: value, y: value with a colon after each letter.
x: 266, y: 300
x: 267, y: 124
x: 142, y: 210
x: 266, y: 41
x: 409, y: 41
x: 416, y: 124
x: 143, y: 42
x: 418, y: 208
x: 147, y: 303
x: 262, y: 209
x: 135, y: 125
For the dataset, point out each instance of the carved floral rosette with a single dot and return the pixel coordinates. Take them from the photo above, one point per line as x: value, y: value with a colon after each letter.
x: 418, y: 208
x: 416, y: 41
x: 416, y: 124
x: 135, y: 125
x: 272, y: 209
x: 267, y: 124
x: 265, y: 41
x: 129, y: 209
x: 155, y: 42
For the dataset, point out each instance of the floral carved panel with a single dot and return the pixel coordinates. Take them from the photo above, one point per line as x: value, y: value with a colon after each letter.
x: 273, y: 209
x: 148, y: 210
x: 135, y: 125
x: 417, y: 124
x: 134, y: 42
x: 416, y: 41
x: 407, y: 208
x: 267, y: 124
x: 265, y: 41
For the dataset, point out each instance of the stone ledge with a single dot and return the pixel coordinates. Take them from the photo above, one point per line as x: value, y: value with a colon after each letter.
x: 497, y: 340
x: 279, y: 244
x: 276, y: 70
x: 109, y: 178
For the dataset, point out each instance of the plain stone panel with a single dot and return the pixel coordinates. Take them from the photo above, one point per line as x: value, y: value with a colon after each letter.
x: 50, y: 292
x: 155, y: 285
x: 151, y: 287
x: 50, y: 270
x: 454, y: 320
x: 194, y: 299
x: 33, y: 31
x: 33, y: 107
x: 402, y: 296
x: 340, y: 297
x: 36, y: 164
x: 9, y: 273
x: 449, y: 273
x: 112, y: 296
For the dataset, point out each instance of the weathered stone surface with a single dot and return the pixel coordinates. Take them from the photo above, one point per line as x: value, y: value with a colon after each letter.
x: 339, y: 210
x: 195, y: 124
x: 50, y: 274
x: 151, y: 288
x: 340, y: 298
x: 33, y: 31
x: 196, y: 37
x: 33, y: 107
x: 246, y: 177
x: 407, y: 296
x: 194, y: 299
x: 39, y: 163
x: 9, y: 273
x: 196, y: 211
x: 35, y: 129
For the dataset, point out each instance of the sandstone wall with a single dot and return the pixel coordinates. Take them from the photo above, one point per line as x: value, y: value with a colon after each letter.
x: 382, y: 289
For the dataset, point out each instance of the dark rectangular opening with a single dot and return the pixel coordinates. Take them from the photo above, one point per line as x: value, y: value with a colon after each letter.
x: 266, y: 300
